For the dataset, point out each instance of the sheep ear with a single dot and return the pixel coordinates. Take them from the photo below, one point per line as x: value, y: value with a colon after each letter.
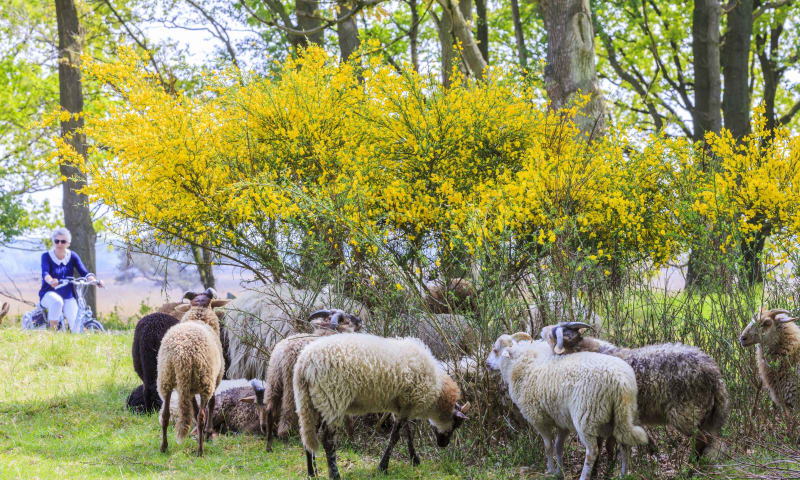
x: 250, y: 399
x: 183, y: 307
x: 521, y: 337
x: 218, y: 303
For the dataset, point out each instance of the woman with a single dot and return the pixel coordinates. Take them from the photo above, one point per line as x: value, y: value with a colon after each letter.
x: 58, y: 264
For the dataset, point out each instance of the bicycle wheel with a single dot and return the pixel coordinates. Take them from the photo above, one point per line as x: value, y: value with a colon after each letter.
x: 94, y: 326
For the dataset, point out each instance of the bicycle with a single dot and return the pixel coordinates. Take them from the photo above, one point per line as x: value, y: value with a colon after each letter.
x: 84, y: 320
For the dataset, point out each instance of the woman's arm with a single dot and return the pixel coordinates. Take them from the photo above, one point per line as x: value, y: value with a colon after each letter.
x: 79, y: 265
x: 46, y: 271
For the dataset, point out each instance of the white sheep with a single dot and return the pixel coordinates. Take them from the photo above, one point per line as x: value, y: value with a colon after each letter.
x: 356, y: 374
x: 190, y: 360
x: 777, y: 340
x: 591, y: 394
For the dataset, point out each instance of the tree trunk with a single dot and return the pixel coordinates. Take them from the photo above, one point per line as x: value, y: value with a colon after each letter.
x: 308, y: 19
x: 767, y: 59
x: 77, y: 217
x: 347, y: 31
x: 519, y: 35
x: 570, y: 68
x: 482, y: 29
x: 735, y: 56
x: 460, y: 13
x: 413, y: 35
x: 204, y: 262
x: 444, y: 27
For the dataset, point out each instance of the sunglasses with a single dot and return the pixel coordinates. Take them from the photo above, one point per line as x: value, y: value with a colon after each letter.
x: 61, y: 241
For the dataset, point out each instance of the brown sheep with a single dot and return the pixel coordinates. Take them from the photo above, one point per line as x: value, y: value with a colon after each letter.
x: 280, y: 398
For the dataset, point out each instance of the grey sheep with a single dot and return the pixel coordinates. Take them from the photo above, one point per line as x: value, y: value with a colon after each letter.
x: 356, y: 374
x: 190, y: 361
x: 777, y: 340
x: 591, y: 394
x: 679, y: 385
x: 280, y: 397
x: 240, y: 409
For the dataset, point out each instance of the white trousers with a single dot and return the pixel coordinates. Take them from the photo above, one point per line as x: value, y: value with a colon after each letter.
x: 55, y: 305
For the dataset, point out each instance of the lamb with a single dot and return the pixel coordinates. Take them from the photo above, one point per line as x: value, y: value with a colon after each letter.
x: 458, y: 294
x: 280, y: 399
x: 777, y: 341
x: 190, y: 361
x: 357, y: 374
x: 201, y: 309
x: 588, y: 393
x: 679, y: 385
x: 240, y: 409
x: 146, y: 342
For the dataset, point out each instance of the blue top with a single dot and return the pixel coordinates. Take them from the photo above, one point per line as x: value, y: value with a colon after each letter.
x: 61, y: 269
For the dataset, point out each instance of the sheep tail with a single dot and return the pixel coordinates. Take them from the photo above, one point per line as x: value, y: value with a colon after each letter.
x: 185, y: 411
x: 625, y: 411
x: 307, y: 415
x: 716, y: 419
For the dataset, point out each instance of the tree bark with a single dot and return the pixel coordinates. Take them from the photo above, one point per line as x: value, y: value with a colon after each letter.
x: 570, y: 68
x: 204, y: 262
x: 706, y: 115
x: 308, y: 19
x: 519, y: 34
x: 482, y: 28
x: 459, y: 13
x: 347, y: 31
x: 413, y: 35
x: 77, y: 217
x: 735, y: 58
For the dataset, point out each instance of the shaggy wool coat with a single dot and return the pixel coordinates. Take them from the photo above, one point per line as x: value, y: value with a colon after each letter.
x: 147, y: 338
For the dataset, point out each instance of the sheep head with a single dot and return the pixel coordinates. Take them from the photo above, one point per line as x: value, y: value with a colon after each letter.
x: 258, y: 400
x: 563, y: 336
x: 766, y: 328
x: 207, y: 299
x: 335, y: 319
x: 501, y: 347
x: 448, y: 414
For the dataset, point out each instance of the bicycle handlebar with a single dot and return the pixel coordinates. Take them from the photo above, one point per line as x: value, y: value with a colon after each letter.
x: 77, y: 281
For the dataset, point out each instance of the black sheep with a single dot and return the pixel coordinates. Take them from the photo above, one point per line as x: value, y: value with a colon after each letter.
x: 146, y: 342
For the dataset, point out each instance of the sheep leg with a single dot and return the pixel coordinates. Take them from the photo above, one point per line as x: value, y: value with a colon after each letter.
x: 165, y: 421
x: 312, y: 470
x: 201, y: 425
x: 330, y: 451
x: 625, y: 451
x: 287, y: 411
x: 411, y: 451
x: 393, y: 438
x: 590, y: 442
x: 558, y: 448
x: 547, y: 437
x: 269, y: 429
x: 210, y: 422
x: 611, y: 456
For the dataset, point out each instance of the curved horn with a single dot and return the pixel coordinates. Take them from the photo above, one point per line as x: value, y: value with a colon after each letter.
x: 258, y: 387
x: 776, y: 311
x: 354, y: 320
x: 211, y: 292
x: 335, y: 319
x: 318, y: 314
x: 559, y: 333
x: 576, y: 325
x: 188, y: 295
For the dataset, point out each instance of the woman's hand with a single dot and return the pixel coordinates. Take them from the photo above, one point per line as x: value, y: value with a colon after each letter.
x: 51, y: 281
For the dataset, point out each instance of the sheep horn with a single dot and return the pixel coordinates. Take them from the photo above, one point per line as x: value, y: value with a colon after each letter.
x: 319, y: 314
x: 335, y: 319
x: 188, y: 296
x: 559, y: 334
x: 786, y: 320
x: 576, y: 325
x: 355, y: 320
x: 210, y: 292
x: 777, y: 311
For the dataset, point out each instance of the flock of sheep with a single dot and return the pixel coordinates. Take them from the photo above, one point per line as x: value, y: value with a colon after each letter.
x: 562, y: 383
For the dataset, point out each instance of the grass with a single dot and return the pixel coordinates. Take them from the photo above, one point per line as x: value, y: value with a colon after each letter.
x: 63, y: 415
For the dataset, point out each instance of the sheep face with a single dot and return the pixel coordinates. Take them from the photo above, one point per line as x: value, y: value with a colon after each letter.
x: 258, y: 400
x: 503, y: 343
x: 765, y: 328
x: 563, y: 336
x: 335, y: 319
x: 443, y: 428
